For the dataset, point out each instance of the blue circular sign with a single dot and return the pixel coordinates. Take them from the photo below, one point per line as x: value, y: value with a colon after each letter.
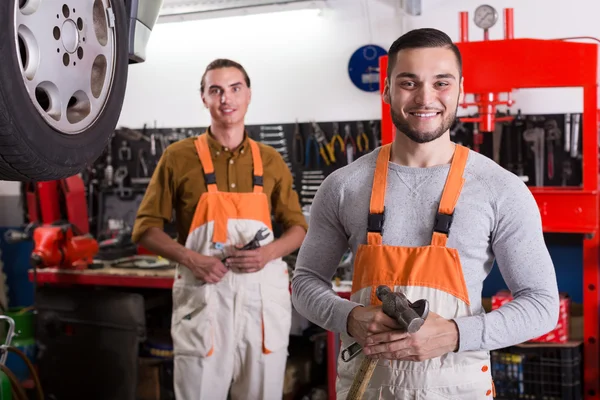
x: 363, y: 67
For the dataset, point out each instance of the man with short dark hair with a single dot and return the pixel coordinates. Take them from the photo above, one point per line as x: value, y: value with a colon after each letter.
x: 231, y: 307
x: 430, y: 223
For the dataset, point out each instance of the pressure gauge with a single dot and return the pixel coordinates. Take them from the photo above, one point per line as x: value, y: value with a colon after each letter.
x: 486, y: 16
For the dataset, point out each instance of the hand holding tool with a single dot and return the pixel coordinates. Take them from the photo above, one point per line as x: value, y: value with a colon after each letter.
x: 254, y: 243
x: 410, y: 316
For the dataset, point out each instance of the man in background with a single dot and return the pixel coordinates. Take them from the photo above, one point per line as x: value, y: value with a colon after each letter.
x: 231, y: 307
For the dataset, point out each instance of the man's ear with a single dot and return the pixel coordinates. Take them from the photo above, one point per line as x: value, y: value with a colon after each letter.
x: 461, y: 95
x: 386, y: 91
x: 203, y: 100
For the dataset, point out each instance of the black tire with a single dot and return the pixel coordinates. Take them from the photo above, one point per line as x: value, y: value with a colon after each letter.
x: 30, y: 149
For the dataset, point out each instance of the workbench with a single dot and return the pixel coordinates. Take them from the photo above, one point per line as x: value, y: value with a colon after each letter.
x: 108, y: 276
x: 163, y: 279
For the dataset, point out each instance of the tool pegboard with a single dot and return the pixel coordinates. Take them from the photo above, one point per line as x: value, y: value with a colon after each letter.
x: 118, y: 179
x: 544, y: 149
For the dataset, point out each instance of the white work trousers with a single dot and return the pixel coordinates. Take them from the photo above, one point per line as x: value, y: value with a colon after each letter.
x: 237, y: 361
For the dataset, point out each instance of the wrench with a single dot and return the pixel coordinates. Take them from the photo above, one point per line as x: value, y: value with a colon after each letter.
x: 255, y: 242
x: 536, y: 137
x: 124, y: 151
x: 567, y: 133
x: 272, y: 128
x: 575, y: 136
x: 120, y: 174
x: 274, y: 142
x: 142, y: 160
x: 305, y: 187
x: 272, y: 135
x: 553, y: 135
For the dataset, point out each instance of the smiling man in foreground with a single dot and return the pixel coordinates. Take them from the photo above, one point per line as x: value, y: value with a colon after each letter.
x: 427, y: 217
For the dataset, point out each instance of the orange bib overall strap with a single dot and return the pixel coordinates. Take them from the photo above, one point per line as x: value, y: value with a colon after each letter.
x: 450, y: 195
x: 377, y: 205
x: 209, y: 169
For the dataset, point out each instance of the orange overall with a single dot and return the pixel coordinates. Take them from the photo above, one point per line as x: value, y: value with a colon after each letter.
x: 431, y: 272
x: 233, y: 333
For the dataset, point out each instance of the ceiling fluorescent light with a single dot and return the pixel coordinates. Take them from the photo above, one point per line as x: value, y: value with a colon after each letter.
x: 196, y: 12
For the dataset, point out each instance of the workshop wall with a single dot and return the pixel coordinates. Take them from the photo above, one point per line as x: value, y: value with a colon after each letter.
x: 298, y: 60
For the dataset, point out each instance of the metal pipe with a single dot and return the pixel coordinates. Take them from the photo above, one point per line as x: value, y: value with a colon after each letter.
x: 464, y: 26
x: 508, y: 24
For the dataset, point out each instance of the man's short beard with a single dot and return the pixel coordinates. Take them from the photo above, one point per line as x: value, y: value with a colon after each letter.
x: 403, y: 126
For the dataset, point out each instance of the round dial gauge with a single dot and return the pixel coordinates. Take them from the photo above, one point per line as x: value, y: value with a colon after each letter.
x: 486, y: 16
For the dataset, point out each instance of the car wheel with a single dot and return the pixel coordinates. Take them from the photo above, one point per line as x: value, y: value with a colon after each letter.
x: 62, y: 83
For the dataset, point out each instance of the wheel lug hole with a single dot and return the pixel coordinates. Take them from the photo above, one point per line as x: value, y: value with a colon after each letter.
x: 65, y: 11
x: 66, y: 59
x: 79, y: 23
x: 56, y: 32
x: 80, y: 53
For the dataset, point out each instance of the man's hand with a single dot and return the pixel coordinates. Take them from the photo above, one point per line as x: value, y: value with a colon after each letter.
x: 366, y: 321
x: 436, y: 337
x: 208, y: 269
x: 249, y: 260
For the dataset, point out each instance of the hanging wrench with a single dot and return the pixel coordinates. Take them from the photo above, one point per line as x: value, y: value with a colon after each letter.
x: 536, y: 137
x: 553, y: 135
x: 272, y: 128
x: 575, y: 136
x: 274, y: 142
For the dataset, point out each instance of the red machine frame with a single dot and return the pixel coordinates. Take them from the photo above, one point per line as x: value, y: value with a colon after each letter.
x: 491, y: 67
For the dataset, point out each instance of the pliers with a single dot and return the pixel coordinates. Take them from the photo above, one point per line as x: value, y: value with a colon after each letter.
x: 362, y: 140
x: 298, y: 145
x: 336, y: 138
x: 375, y: 133
x: 349, y: 144
x: 311, y: 142
x: 324, y: 150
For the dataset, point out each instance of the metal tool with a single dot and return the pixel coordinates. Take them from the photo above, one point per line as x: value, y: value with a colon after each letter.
x: 142, y: 160
x: 272, y: 128
x: 497, y: 141
x: 255, y: 242
x: 317, y: 172
x: 349, y: 144
x: 567, y: 171
x: 312, y: 181
x: 153, y: 145
x: 535, y: 136
x: 307, y: 187
x: 298, y: 145
x: 311, y: 144
x: 553, y: 135
x: 575, y: 136
x: 362, y: 140
x: 272, y: 135
x: 375, y: 133
x: 567, y: 133
x: 124, y: 151
x: 410, y: 316
x: 120, y: 174
x: 324, y: 150
x: 274, y: 142
x: 336, y: 138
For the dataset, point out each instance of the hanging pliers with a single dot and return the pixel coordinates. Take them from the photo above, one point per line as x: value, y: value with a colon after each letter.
x: 324, y: 150
x: 362, y: 140
x: 349, y: 143
x: 311, y: 143
x: 336, y: 138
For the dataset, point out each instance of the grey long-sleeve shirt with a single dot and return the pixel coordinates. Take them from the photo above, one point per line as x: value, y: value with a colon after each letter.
x: 496, y: 216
